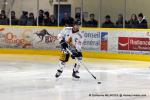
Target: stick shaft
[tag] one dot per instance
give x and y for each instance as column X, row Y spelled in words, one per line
column 82, row 64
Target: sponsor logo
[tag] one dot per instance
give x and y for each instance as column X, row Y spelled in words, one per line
column 104, row 41
column 134, row 43
column 15, row 41
column 91, row 34
column 47, row 37
column 2, row 29
column 123, row 43
column 92, row 39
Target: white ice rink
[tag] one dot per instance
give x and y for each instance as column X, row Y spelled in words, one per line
column 24, row 77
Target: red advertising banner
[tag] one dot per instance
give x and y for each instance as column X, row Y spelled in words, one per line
column 134, row 43
column 140, row 44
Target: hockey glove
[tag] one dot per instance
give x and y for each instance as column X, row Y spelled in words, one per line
column 74, row 54
column 63, row 45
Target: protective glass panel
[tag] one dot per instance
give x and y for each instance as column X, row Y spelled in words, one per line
column 112, row 13
column 24, row 12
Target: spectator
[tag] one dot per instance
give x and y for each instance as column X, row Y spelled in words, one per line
column 14, row 20
column 1, row 20
column 92, row 22
column 3, row 13
column 84, row 22
column 23, row 18
column 133, row 22
column 119, row 22
column 67, row 20
column 108, row 23
column 46, row 19
column 40, row 17
column 78, row 19
column 142, row 23
column 31, row 21
column 53, row 21
column 4, row 18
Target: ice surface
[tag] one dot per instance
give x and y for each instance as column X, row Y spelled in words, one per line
column 31, row 78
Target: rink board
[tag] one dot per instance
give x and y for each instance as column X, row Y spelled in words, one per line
column 98, row 55
column 128, row 44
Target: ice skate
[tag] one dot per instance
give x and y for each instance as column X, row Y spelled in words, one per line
column 74, row 75
column 59, row 72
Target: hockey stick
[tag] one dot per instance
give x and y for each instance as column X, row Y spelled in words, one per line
column 84, row 67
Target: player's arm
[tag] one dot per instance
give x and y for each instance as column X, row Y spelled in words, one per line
column 61, row 40
column 72, row 48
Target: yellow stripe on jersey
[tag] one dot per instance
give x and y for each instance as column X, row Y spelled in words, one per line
column 69, row 41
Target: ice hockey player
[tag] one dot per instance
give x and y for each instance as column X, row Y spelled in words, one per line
column 71, row 38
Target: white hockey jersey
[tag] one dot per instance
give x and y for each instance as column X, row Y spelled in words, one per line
column 76, row 38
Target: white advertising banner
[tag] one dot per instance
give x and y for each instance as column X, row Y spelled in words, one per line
column 29, row 38
column 115, row 41
column 129, row 41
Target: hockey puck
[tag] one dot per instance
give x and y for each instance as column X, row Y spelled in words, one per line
column 98, row 82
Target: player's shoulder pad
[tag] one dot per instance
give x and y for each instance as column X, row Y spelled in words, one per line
column 68, row 28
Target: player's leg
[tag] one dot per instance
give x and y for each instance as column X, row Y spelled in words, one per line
column 63, row 59
column 77, row 65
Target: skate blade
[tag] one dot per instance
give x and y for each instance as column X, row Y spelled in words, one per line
column 57, row 78
column 75, row 79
